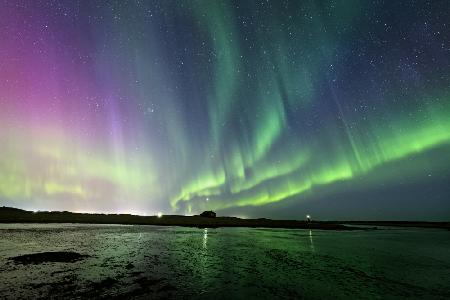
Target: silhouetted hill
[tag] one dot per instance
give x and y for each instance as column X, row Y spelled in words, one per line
column 6, row 209
column 15, row 215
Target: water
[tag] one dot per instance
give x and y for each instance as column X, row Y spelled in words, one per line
column 225, row 263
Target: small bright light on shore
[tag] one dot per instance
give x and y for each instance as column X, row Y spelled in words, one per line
column 308, row 216
column 159, row 214
column 207, row 199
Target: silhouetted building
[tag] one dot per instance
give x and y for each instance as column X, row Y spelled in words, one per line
column 208, row 214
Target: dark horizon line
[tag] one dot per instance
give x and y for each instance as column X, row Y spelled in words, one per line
column 407, row 223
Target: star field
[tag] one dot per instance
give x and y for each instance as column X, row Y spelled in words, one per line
column 252, row 108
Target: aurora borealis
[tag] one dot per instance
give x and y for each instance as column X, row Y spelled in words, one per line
column 250, row 108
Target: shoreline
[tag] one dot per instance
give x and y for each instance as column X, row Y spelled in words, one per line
column 14, row 215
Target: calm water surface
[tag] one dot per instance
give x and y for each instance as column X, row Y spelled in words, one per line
column 225, row 263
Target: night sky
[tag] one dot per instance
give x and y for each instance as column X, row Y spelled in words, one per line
column 340, row 109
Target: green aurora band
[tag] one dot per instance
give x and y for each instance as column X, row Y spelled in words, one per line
column 222, row 104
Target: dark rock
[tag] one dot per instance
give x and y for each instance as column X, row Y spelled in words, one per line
column 43, row 257
column 129, row 266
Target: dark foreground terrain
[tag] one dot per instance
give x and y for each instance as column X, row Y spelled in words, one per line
column 14, row 215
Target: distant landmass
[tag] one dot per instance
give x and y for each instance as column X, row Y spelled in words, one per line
column 15, row 215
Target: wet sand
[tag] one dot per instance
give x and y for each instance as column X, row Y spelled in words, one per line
column 161, row 262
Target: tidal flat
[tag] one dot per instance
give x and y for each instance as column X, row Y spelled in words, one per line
column 42, row 261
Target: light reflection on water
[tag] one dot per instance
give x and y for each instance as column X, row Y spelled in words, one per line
column 205, row 238
column 150, row 261
column 311, row 240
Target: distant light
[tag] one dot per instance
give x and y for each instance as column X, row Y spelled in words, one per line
column 207, row 199
column 159, row 214
column 308, row 216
